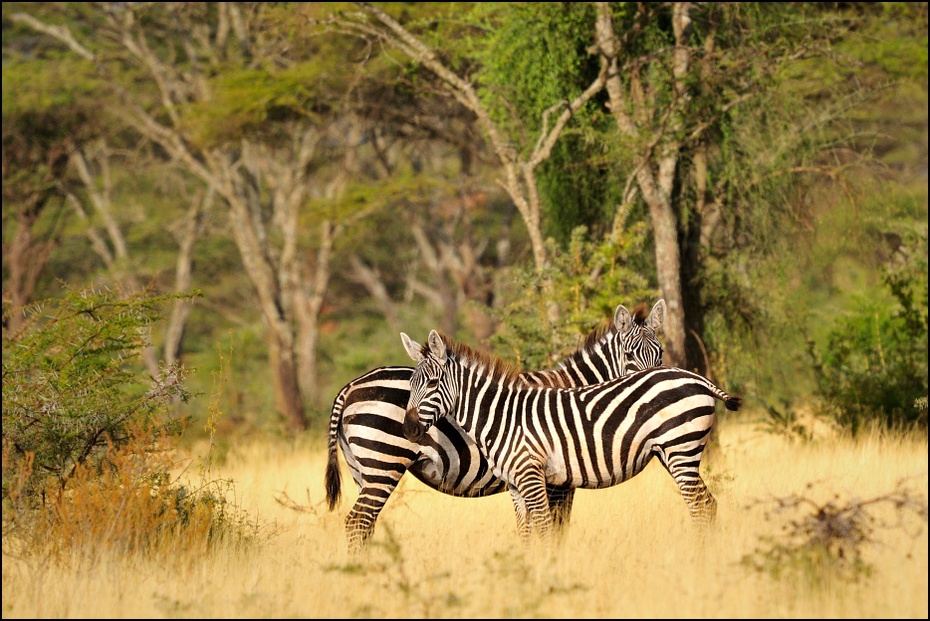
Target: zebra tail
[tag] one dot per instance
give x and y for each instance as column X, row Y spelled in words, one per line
column 333, row 477
column 733, row 402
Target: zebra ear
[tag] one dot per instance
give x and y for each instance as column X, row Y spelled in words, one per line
column 437, row 346
column 414, row 350
column 622, row 319
column 657, row 315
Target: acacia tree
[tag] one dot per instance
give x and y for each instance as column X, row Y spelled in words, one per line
column 683, row 85
column 233, row 100
column 31, row 169
column 518, row 159
column 91, row 197
column 717, row 124
column 40, row 131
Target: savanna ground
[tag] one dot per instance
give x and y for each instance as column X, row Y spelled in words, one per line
column 630, row 551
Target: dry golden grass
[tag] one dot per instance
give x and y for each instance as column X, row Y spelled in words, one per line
column 630, row 551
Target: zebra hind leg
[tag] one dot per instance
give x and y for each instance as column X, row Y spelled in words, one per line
column 685, row 469
column 701, row 503
column 360, row 522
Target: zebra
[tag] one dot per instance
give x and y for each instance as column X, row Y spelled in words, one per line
column 368, row 414
column 591, row 437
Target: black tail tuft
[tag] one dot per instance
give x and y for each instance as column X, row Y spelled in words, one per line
column 333, row 481
column 733, row 402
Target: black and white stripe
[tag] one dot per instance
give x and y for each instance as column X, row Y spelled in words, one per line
column 368, row 415
column 597, row 436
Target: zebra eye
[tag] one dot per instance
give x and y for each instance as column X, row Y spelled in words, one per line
column 432, row 383
column 629, row 356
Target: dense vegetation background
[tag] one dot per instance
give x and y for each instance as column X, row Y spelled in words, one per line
column 219, row 213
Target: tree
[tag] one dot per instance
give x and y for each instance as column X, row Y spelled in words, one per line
column 224, row 98
column 70, row 388
column 518, row 161
column 92, row 200
column 42, row 126
column 692, row 86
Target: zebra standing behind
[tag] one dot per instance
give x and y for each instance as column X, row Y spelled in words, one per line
column 590, row 437
column 368, row 415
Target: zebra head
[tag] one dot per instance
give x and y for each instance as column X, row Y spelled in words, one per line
column 635, row 346
column 427, row 402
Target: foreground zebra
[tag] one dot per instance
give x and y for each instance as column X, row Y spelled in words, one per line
column 590, row 436
column 368, row 415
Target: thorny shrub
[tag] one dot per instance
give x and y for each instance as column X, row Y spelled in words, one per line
column 89, row 438
column 824, row 540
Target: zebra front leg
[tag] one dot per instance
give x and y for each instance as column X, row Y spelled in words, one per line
column 531, row 488
column 519, row 509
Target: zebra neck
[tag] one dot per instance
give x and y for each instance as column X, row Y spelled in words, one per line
column 591, row 365
column 484, row 406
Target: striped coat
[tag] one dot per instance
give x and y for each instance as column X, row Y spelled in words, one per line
column 368, row 414
column 579, row 437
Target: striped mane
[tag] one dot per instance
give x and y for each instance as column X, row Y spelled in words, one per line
column 594, row 337
column 496, row 368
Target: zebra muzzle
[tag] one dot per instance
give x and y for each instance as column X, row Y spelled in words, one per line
column 413, row 430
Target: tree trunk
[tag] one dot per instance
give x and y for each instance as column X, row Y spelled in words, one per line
column 98, row 184
column 284, row 370
column 182, row 276
column 371, row 280
column 655, row 167
column 24, row 257
column 285, row 382
column 308, row 305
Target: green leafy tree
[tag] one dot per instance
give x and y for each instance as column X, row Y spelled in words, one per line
column 48, row 112
column 73, row 386
column 534, row 57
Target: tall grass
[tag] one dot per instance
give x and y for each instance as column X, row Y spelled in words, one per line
column 630, row 551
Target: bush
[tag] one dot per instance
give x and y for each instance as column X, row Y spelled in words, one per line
column 88, row 435
column 546, row 315
column 72, row 385
column 874, row 364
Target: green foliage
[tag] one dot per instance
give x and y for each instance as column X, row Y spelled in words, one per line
column 811, row 215
column 585, row 282
column 535, row 60
column 883, row 44
column 87, row 459
column 246, row 101
column 790, row 87
column 873, row 365
column 72, row 385
column 535, row 57
column 42, row 121
column 31, row 86
column 784, row 421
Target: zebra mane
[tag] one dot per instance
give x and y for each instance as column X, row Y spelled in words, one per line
column 639, row 316
column 496, row 368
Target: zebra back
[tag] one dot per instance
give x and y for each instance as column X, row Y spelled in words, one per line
column 454, row 378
